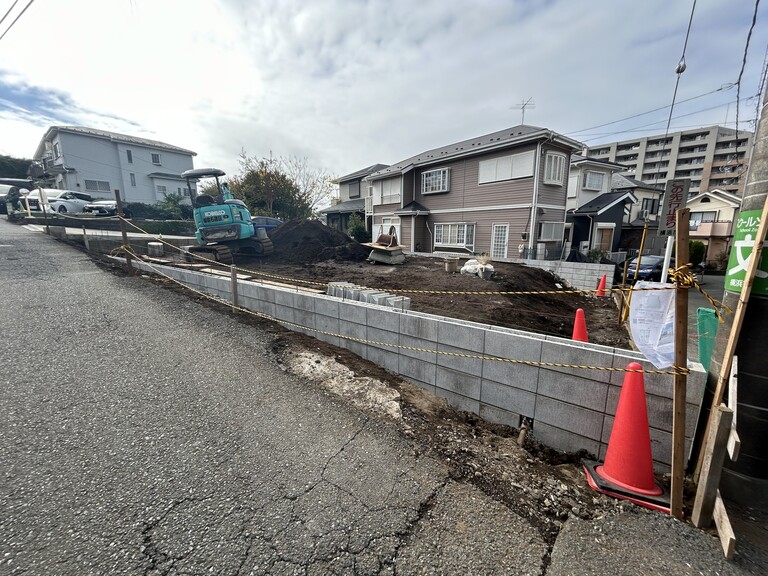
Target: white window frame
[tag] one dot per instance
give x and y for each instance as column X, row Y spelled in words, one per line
column 159, row 157
column 506, row 167
column 97, row 186
column 133, row 179
column 129, row 156
column 56, row 150
column 455, row 235
column 554, row 231
column 436, row 181
column 587, row 185
column 554, row 168
column 392, row 197
column 162, row 189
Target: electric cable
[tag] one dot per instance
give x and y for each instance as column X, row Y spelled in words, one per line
column 741, row 71
column 9, row 11
column 15, row 19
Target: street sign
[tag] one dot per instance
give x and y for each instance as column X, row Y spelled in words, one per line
column 675, row 197
column 744, row 235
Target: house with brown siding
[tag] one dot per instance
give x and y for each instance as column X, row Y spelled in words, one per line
column 503, row 194
column 350, row 199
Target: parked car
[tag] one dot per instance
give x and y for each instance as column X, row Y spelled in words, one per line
column 265, row 222
column 650, row 268
column 7, row 194
column 104, row 208
column 69, row 201
column 61, row 201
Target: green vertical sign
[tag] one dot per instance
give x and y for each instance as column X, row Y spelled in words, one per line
column 744, row 235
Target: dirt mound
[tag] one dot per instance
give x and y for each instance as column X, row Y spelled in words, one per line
column 309, row 241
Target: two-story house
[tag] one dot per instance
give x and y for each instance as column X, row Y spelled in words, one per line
column 351, row 199
column 645, row 212
column 502, row 193
column 712, row 217
column 596, row 212
column 99, row 162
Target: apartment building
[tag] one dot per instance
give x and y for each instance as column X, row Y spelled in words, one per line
column 712, row 157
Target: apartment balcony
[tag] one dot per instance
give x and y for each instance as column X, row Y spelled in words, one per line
column 719, row 228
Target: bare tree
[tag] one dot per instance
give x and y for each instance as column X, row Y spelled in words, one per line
column 316, row 187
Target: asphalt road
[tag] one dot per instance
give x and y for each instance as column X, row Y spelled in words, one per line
column 145, row 434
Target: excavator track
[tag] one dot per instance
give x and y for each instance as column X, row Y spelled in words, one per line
column 223, row 254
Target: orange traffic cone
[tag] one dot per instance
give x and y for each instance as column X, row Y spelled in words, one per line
column 580, row 327
column 628, row 469
column 601, row 288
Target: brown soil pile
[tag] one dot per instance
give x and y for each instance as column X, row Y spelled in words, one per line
column 308, row 241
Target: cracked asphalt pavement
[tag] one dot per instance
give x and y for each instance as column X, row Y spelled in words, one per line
column 145, row 434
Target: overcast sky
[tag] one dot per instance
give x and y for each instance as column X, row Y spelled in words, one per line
column 351, row 83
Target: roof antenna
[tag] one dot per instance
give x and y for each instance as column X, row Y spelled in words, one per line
column 523, row 105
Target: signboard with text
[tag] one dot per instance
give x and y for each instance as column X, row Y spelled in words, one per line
column 675, row 196
column 744, row 233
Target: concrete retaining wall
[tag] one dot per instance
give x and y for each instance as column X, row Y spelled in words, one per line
column 571, row 408
column 580, row 275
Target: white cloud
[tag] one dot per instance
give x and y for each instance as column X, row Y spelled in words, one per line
column 350, row 83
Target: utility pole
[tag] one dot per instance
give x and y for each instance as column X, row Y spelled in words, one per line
column 746, row 481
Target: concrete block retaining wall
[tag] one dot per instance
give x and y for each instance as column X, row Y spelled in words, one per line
column 571, row 408
column 580, row 275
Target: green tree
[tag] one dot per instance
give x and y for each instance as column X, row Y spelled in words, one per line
column 171, row 203
column 356, row 229
column 696, row 251
column 11, row 167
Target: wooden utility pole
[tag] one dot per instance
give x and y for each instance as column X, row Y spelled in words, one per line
column 749, row 483
column 682, row 222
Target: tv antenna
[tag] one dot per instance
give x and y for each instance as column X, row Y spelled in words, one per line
column 523, row 105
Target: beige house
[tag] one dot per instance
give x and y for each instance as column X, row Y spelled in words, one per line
column 712, row 217
column 502, row 193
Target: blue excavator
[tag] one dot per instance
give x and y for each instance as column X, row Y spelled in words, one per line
column 223, row 223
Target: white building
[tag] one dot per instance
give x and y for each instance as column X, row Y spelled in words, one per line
column 100, row 162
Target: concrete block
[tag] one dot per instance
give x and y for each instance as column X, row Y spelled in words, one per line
column 576, row 419
column 413, row 368
column 327, row 307
column 370, row 295
column 458, row 383
column 383, row 319
column 562, row 352
column 284, row 298
column 458, row 401
column 349, row 291
column 398, row 302
column 564, row 440
column 248, row 289
column 305, row 302
column 384, row 357
column 423, row 385
column 425, row 349
column 352, row 312
column 499, row 416
column 381, row 299
column 470, row 366
column 378, row 338
column 508, row 398
column 460, row 335
column 327, row 327
column 517, row 375
column 285, row 313
column 358, row 335
column 514, row 346
column 418, row 326
column 574, row 390
column 306, row 321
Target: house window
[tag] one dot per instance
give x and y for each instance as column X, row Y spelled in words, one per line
column 506, row 168
column 551, row 231
column 435, row 181
column 133, row 179
column 56, row 150
column 651, row 204
column 593, row 180
column 554, row 168
column 390, row 191
column 354, row 189
column 129, row 154
column 604, row 240
column 156, row 159
column 97, row 186
column 703, row 216
column 455, row 235
column 161, row 189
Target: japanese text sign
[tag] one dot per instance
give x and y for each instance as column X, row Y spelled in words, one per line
column 744, row 234
column 675, row 197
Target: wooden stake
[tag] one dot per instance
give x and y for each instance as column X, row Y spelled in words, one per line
column 681, row 361
column 724, row 529
column 233, row 284
column 714, row 456
column 738, row 320
column 128, row 257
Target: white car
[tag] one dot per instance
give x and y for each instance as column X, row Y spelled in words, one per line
column 63, row 201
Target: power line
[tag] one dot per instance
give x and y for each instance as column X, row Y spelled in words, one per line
column 741, row 71
column 16, row 19
column 9, row 10
column 722, row 88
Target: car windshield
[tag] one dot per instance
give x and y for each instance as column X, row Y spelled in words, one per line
column 648, row 261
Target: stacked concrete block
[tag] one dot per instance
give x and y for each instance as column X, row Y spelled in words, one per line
column 349, row 291
column 578, row 275
column 476, row 367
